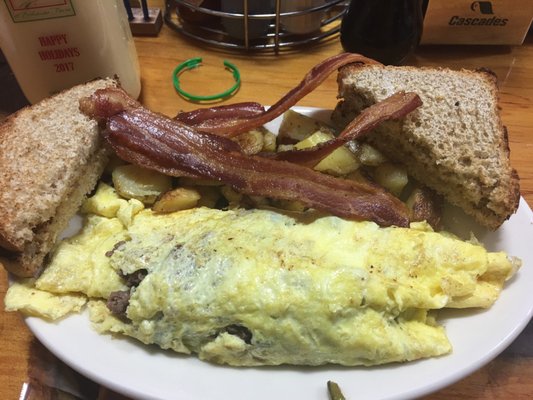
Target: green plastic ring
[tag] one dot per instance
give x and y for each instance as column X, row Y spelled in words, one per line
column 196, row 62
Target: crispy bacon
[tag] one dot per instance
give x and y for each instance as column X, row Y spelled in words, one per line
column 220, row 115
column 396, row 106
column 154, row 141
column 233, row 126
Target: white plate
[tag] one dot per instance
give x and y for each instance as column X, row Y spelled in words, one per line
column 144, row 372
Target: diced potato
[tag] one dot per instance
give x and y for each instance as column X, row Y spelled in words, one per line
column 133, row 182
column 256, row 140
column 105, row 202
column 369, row 155
column 251, row 142
column 209, row 196
column 269, row 141
column 285, row 147
column 340, row 162
column 392, row 177
column 233, row 197
column 290, row 205
column 175, row 200
column 312, row 140
column 358, row 176
column 209, row 190
column 297, row 127
column 258, row 201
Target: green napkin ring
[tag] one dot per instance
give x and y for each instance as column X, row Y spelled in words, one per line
column 196, row 62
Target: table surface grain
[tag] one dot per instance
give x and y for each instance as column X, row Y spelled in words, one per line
column 265, row 78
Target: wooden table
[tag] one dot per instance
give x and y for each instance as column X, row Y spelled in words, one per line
column 265, row 78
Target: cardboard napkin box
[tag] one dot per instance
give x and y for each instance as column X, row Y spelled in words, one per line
column 502, row 22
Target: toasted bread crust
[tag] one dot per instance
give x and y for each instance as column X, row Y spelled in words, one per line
column 47, row 151
column 455, row 142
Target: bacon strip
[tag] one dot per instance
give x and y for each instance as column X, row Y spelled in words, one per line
column 220, row 115
column 396, row 106
column 139, row 135
column 234, row 126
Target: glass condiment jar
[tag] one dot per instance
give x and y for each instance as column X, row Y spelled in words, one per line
column 54, row 45
column 385, row 30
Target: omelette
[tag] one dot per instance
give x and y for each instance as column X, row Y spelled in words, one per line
column 264, row 287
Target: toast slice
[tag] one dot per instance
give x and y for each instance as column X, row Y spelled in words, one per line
column 51, row 157
column 455, row 143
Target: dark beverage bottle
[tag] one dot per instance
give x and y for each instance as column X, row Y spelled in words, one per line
column 385, row 30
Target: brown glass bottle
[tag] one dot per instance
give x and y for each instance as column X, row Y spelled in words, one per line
column 385, row 30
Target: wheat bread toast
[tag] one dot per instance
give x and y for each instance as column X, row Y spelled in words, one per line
column 455, row 143
column 51, row 157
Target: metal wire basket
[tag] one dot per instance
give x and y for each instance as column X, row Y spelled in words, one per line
column 256, row 25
